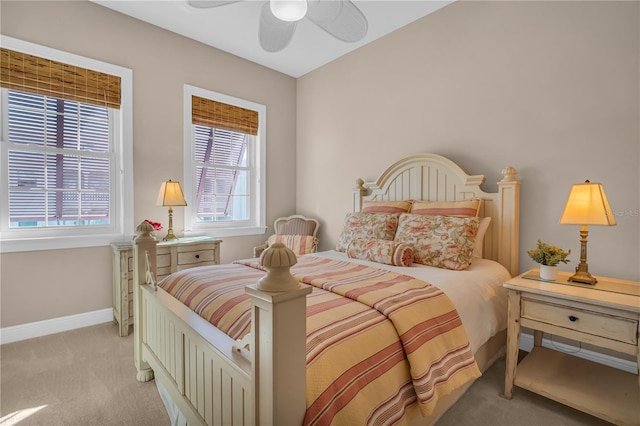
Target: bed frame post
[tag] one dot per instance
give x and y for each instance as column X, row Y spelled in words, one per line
column 278, row 349
column 144, row 256
column 509, row 211
column 358, row 192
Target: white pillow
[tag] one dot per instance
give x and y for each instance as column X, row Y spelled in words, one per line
column 482, row 229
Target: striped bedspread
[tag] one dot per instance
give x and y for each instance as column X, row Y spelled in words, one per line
column 378, row 342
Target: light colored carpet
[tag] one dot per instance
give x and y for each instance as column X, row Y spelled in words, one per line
column 86, row 377
column 79, row 377
column 484, row 405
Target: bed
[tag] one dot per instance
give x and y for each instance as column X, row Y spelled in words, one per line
column 350, row 344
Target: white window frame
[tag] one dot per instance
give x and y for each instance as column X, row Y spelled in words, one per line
column 256, row 161
column 121, row 227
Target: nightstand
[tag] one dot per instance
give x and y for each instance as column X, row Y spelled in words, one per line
column 605, row 314
column 172, row 256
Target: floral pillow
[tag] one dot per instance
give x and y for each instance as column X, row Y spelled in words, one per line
column 381, row 251
column 299, row 244
column 381, row 226
column 440, row 241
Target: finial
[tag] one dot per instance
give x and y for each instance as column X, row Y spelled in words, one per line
column 144, row 231
column 509, row 174
column 277, row 260
column 360, row 187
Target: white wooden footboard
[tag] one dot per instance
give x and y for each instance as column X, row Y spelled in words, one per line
column 209, row 386
column 208, row 375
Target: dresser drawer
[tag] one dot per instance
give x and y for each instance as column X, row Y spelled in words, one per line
column 197, row 254
column 163, row 259
column 163, row 262
column 582, row 320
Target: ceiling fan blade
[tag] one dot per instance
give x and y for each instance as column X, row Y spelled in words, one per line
column 274, row 34
column 210, row 3
column 319, row 10
column 340, row 18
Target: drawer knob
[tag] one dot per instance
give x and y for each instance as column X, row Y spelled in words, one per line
column 197, row 256
column 573, row 318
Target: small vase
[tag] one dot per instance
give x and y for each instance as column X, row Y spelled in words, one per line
column 548, row 273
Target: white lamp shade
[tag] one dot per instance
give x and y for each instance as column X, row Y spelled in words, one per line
column 288, row 10
column 587, row 205
column 171, row 194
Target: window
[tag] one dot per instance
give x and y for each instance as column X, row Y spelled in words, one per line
column 224, row 164
column 59, row 162
column 65, row 135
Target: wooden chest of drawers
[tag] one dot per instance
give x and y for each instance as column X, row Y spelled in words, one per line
column 172, row 256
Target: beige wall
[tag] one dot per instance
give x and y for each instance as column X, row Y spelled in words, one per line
column 49, row 284
column 550, row 88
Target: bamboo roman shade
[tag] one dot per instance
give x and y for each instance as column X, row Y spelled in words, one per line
column 206, row 112
column 29, row 73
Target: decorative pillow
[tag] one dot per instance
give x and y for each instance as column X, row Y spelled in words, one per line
column 482, row 229
column 386, row 206
column 462, row 208
column 299, row 244
column 381, row 251
column 367, row 225
column 441, row 241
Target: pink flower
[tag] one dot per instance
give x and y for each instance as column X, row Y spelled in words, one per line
column 156, row 225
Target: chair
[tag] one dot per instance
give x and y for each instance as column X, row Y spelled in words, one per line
column 297, row 232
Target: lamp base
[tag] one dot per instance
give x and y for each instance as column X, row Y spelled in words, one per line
column 170, row 236
column 583, row 276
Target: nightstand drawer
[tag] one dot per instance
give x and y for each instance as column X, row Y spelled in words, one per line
column 202, row 253
column 585, row 321
column 163, row 257
column 195, row 257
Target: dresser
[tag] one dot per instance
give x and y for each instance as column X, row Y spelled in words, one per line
column 605, row 315
column 172, row 256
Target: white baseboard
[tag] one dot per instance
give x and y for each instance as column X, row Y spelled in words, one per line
column 55, row 325
column 526, row 344
column 71, row 322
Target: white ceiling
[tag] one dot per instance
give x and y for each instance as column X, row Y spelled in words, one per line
column 234, row 28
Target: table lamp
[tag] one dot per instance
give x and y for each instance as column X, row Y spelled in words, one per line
column 587, row 205
column 170, row 195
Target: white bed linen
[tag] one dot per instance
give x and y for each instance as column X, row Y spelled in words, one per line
column 477, row 292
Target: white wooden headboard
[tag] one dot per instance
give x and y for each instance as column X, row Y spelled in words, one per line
column 431, row 177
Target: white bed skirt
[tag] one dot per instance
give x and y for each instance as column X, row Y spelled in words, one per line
column 175, row 415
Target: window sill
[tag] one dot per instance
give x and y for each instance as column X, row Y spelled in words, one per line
column 227, row 232
column 59, row 243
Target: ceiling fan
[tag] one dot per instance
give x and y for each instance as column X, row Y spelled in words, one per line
column 278, row 19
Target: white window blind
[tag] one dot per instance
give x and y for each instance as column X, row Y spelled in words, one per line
column 221, row 174
column 59, row 162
